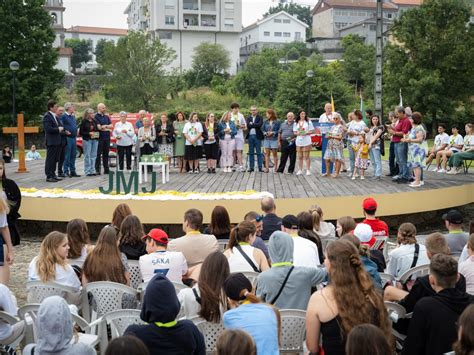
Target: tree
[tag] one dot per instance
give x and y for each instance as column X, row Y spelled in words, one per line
column 431, row 58
column 209, row 60
column 301, row 12
column 82, row 87
column 81, row 49
column 100, row 48
column 259, row 77
column 26, row 36
column 137, row 67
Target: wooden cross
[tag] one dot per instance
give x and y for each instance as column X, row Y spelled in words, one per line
column 20, row 131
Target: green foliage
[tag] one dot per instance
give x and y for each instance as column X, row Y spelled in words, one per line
column 81, row 49
column 26, row 36
column 100, row 48
column 259, row 77
column 137, row 65
column 209, row 60
column 431, row 60
column 301, row 12
column 295, row 50
column 82, row 88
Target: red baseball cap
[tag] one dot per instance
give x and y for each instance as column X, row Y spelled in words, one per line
column 369, row 204
column 158, row 235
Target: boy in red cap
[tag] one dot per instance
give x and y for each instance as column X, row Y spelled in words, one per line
column 159, row 260
column 379, row 228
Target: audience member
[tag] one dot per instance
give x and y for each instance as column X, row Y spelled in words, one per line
column 306, row 231
column 220, row 223
column 379, row 228
column 51, row 265
column 171, row 264
column 9, row 333
column 271, row 222
column 126, row 345
column 433, row 326
column 284, row 285
column 5, row 238
column 163, row 333
column 194, row 245
column 235, row 342
column 260, row 320
column 441, row 141
column 130, row 238
column 207, row 299
column 241, row 254
column 364, row 233
column 7, row 154
column 55, row 331
column 13, row 196
column 345, row 225
column 79, row 242
column 349, row 300
column 456, row 237
column 366, row 339
column 464, row 254
column 305, row 253
column 466, row 268
column 408, row 253
column 33, row 154
column 257, row 220
column 325, row 230
column 121, row 211
column 465, row 342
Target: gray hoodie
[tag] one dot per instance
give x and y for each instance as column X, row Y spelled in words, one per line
column 297, row 291
column 55, row 331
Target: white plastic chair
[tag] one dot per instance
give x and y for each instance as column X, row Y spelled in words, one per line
column 211, row 332
column 387, row 278
column 38, row 290
column 417, row 271
column 293, row 330
column 252, row 276
column 135, row 274
column 11, row 320
column 118, row 321
column 222, row 244
column 378, row 243
column 179, row 286
column 396, row 312
column 108, row 297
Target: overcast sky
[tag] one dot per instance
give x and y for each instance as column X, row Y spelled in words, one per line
column 109, row 13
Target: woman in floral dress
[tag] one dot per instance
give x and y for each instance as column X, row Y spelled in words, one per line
column 417, row 148
column 178, row 126
column 335, row 148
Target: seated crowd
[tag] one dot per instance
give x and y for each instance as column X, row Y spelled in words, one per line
column 341, row 277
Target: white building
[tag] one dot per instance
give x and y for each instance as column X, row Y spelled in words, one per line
column 56, row 10
column 184, row 24
column 94, row 34
column 272, row 31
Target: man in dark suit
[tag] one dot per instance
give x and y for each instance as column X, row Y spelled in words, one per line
column 52, row 129
column 255, row 138
column 105, row 127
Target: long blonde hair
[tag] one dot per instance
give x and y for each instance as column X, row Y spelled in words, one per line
column 4, row 206
column 48, row 256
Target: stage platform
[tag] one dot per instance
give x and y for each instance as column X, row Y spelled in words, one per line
column 337, row 197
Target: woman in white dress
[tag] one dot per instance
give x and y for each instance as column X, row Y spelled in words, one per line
column 303, row 129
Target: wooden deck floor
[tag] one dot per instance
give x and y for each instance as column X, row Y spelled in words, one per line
column 280, row 185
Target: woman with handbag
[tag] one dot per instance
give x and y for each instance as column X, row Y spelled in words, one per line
column 146, row 137
column 165, row 135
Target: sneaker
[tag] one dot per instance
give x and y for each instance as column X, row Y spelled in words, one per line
column 190, row 172
column 353, row 178
column 308, row 173
column 299, row 172
column 441, row 171
column 376, row 178
column 349, row 175
column 396, row 177
column 362, row 178
column 435, row 170
column 196, row 171
column 422, row 183
column 454, row 171
column 413, row 184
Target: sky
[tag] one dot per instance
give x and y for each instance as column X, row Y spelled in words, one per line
column 109, row 13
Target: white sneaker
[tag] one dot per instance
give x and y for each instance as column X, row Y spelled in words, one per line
column 349, row 175
column 422, row 183
column 299, row 172
column 353, row 178
column 362, row 178
column 454, row 171
column 308, row 173
column 435, row 169
column 415, row 185
column 441, row 171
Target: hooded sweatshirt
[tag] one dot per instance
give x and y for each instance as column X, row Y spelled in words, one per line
column 54, row 326
column 432, row 329
column 163, row 334
column 297, row 291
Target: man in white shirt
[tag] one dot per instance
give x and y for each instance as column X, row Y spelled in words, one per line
column 124, row 134
column 305, row 252
column 441, row 141
column 171, row 264
column 327, row 115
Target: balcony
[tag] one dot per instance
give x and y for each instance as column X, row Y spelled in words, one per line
column 208, row 21
column 208, row 5
column 190, row 20
column 191, row 5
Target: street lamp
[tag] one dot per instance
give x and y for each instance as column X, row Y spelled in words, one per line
column 309, row 75
column 14, row 66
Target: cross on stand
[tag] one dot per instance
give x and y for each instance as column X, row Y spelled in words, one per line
column 20, row 131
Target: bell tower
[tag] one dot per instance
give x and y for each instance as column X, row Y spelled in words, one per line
column 56, row 10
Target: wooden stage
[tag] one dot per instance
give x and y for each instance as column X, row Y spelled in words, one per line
column 341, row 196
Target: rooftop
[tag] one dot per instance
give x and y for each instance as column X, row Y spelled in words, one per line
column 322, row 5
column 408, row 2
column 269, row 17
column 98, row 30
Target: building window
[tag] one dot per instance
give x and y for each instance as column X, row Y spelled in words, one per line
column 286, row 21
column 169, row 4
column 169, row 20
column 165, row 34
column 372, row 27
column 277, row 34
column 229, row 6
column 286, row 34
column 229, row 22
column 389, row 15
column 277, row 20
column 266, row 34
column 297, row 35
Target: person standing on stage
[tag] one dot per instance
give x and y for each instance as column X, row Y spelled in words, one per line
column 270, row 130
column 70, row 125
column 240, row 124
column 255, row 138
column 327, row 115
column 62, row 150
column 286, row 141
column 141, row 117
column 52, row 129
column 124, row 134
column 303, row 130
column 105, row 127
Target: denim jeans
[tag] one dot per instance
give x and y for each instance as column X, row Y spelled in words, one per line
column 70, row 156
column 376, row 159
column 401, row 154
column 255, row 148
column 90, row 154
column 351, row 157
column 392, row 161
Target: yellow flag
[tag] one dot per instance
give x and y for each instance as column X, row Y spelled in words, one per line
column 332, row 104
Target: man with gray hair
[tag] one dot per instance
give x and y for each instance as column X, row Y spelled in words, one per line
column 62, row 148
column 401, row 149
column 286, row 141
column 255, row 138
column 70, row 126
column 141, row 116
column 327, row 116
